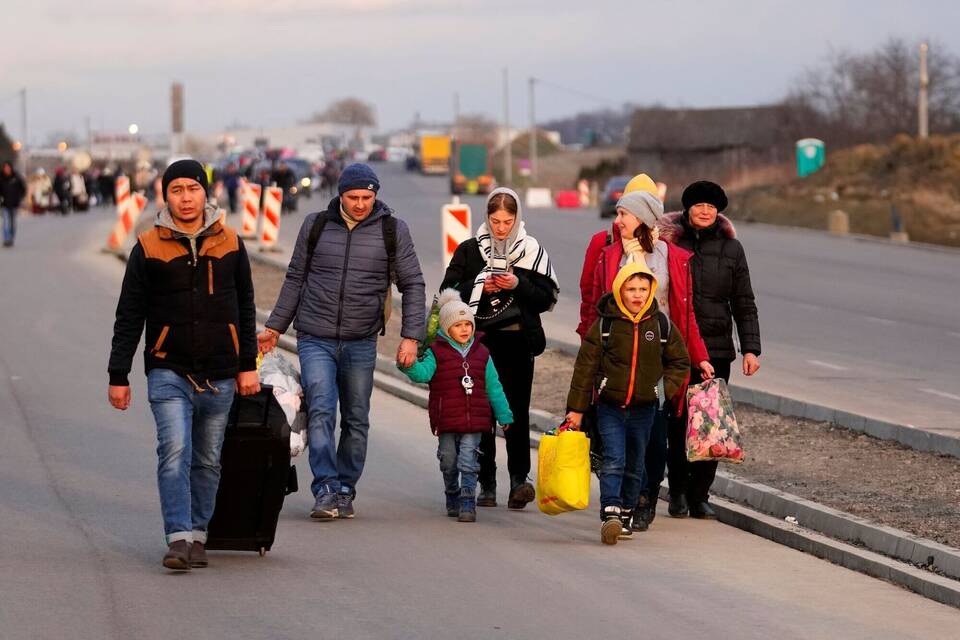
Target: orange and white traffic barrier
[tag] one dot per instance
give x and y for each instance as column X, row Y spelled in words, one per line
column 583, row 187
column 250, row 194
column 129, row 212
column 124, row 221
column 271, row 218
column 455, row 225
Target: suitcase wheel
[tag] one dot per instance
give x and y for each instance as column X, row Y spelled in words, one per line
column 263, row 552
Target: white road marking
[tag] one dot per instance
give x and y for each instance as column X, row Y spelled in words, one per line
column 827, row 365
column 954, row 334
column 883, row 321
column 942, row 394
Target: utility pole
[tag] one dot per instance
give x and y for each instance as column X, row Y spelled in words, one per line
column 507, row 149
column 923, row 116
column 25, row 132
column 456, row 113
column 533, row 135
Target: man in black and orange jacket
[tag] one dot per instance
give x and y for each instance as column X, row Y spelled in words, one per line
column 188, row 279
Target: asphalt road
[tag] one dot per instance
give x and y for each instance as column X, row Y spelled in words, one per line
column 80, row 529
column 862, row 326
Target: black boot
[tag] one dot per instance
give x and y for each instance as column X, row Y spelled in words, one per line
column 488, row 495
column 702, row 511
column 646, row 512
column 521, row 492
column 678, row 506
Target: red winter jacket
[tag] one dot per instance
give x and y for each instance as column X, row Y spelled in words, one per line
column 680, row 296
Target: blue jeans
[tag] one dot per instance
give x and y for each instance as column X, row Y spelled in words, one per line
column 624, row 434
column 9, row 224
column 459, row 462
column 190, row 427
column 332, row 371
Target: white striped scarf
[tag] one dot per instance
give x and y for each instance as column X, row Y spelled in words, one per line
column 526, row 253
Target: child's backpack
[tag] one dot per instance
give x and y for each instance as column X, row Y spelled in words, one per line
column 388, row 227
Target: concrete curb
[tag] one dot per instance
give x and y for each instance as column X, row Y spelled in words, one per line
column 265, row 258
column 925, row 583
column 890, row 542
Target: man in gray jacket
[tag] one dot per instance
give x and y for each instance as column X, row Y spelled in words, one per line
column 336, row 295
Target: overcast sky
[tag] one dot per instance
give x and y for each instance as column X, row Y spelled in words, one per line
column 274, row 62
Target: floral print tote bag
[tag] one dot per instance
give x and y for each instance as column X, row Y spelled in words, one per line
column 712, row 431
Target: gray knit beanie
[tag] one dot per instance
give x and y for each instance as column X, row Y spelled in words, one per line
column 453, row 309
column 645, row 206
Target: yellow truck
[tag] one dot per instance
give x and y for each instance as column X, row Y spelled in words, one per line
column 434, row 154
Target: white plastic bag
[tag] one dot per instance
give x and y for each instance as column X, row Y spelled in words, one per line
column 278, row 372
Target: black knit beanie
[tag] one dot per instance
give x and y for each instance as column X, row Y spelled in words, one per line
column 704, row 191
column 358, row 176
column 184, row 169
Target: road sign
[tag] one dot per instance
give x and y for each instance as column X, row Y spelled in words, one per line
column 455, row 224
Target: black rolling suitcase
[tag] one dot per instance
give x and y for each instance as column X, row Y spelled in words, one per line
column 255, row 475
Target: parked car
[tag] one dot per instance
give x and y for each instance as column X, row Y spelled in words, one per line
column 611, row 194
column 307, row 179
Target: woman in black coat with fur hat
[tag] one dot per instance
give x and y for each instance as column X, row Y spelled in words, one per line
column 722, row 296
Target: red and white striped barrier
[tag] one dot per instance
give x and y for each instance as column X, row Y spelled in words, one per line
column 124, row 222
column 455, row 224
column 271, row 218
column 129, row 208
column 583, row 188
column 250, row 195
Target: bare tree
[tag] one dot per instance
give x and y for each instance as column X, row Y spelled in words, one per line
column 871, row 97
column 349, row 111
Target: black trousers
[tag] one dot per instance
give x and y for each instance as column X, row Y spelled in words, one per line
column 690, row 478
column 514, row 364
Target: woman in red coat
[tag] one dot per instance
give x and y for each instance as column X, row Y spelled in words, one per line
column 638, row 213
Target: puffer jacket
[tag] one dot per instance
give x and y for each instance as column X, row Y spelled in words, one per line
column 342, row 292
column 722, row 293
column 633, row 363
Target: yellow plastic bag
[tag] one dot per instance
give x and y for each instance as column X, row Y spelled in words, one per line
column 563, row 472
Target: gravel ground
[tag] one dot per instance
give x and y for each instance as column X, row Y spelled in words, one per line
column 881, row 481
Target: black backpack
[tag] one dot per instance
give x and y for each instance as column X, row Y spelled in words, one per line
column 388, row 228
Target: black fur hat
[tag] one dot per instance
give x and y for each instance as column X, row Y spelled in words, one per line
column 704, row 191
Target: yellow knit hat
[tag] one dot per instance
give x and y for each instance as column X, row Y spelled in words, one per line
column 642, row 182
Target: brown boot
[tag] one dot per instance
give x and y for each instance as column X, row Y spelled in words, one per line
column 178, row 556
column 198, row 555
column 521, row 492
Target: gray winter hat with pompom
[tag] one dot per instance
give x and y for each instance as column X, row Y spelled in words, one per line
column 453, row 309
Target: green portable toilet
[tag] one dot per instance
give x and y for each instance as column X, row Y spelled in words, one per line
column 811, row 155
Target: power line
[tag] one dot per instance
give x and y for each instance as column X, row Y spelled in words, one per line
column 578, row 92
